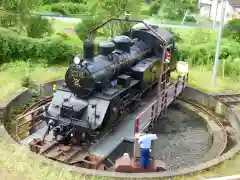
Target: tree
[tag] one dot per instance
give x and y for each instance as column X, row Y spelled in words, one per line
column 232, row 30
column 21, row 6
column 173, row 9
column 154, row 8
column 104, row 9
column 17, row 11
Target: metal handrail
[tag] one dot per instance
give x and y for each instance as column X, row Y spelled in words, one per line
column 31, row 111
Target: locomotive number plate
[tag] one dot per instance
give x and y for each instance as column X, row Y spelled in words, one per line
column 77, row 74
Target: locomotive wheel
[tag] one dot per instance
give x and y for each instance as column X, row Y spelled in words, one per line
column 114, row 110
column 112, row 115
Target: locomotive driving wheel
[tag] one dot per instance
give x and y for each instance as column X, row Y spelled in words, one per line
column 114, row 109
column 113, row 114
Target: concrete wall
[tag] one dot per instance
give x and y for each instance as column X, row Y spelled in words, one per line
column 232, row 115
column 18, row 99
column 13, row 101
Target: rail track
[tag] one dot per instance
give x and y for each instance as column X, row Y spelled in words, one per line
column 232, row 100
column 78, row 155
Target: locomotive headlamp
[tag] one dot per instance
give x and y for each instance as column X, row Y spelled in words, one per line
column 76, row 60
column 182, row 67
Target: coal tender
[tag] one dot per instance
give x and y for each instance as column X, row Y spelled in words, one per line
column 101, row 89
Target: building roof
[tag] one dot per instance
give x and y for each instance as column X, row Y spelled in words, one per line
column 234, row 3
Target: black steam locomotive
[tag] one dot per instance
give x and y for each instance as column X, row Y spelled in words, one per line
column 100, row 89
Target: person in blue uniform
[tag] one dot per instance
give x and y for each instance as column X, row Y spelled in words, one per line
column 144, row 141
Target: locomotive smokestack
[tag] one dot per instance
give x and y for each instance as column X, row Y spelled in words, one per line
column 106, row 47
column 122, row 43
column 88, row 50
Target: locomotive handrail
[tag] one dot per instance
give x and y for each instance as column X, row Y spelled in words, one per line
column 26, row 120
column 141, row 121
column 126, row 20
column 150, row 113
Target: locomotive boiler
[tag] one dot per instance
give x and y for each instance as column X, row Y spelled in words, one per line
column 103, row 86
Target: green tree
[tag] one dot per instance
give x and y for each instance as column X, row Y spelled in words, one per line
column 232, row 30
column 154, row 8
column 116, row 8
column 17, row 11
column 21, row 6
column 173, row 9
column 100, row 11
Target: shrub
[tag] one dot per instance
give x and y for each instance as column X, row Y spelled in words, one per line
column 7, row 19
column 50, row 1
column 69, row 8
column 55, row 50
column 39, row 29
column 83, row 28
column 190, row 19
column 154, row 8
column 27, row 82
column 232, row 30
column 57, row 1
column 198, row 47
column 63, row 35
column 177, row 35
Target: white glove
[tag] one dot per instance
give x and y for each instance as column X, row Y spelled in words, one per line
column 150, row 150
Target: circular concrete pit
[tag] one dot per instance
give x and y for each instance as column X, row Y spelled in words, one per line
column 193, row 136
column 183, row 138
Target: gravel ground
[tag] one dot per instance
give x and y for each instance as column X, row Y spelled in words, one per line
column 183, row 140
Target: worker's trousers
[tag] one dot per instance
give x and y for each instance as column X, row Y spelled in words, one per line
column 145, row 157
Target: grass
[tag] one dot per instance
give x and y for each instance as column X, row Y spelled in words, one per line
column 12, row 74
column 27, row 168
column 30, row 169
column 201, row 77
column 66, row 30
column 60, row 26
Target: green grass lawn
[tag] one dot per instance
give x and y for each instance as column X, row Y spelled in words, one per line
column 201, row 77
column 66, row 28
column 60, row 26
column 12, row 74
column 15, row 162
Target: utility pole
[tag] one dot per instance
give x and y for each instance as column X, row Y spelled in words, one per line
column 184, row 17
column 216, row 61
column 215, row 15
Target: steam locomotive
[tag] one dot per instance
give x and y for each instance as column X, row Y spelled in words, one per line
column 100, row 89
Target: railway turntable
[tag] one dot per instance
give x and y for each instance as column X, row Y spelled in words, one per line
column 108, row 98
column 94, row 155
